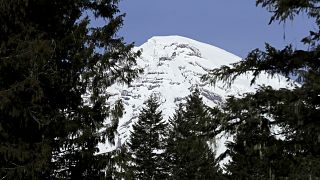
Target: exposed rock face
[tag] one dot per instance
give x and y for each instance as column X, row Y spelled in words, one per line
column 172, row 67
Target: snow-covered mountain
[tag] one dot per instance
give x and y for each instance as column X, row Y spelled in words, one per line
column 172, row 67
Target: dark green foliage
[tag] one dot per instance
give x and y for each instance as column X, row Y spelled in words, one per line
column 147, row 143
column 188, row 151
column 119, row 160
column 49, row 61
column 260, row 152
column 257, row 151
column 288, row 9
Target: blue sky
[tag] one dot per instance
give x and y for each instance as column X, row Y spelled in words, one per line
column 234, row 25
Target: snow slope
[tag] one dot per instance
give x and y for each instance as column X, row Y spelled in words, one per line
column 172, row 67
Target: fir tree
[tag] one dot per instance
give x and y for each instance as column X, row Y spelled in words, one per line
column 295, row 112
column 49, row 61
column 147, row 141
column 188, row 149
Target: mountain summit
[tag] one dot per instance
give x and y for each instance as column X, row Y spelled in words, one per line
column 172, row 68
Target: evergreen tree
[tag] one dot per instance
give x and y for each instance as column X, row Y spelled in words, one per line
column 188, row 149
column 294, row 112
column 255, row 149
column 49, row 61
column 120, row 163
column 147, row 141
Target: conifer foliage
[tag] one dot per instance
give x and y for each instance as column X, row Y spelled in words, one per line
column 292, row 151
column 49, row 61
column 147, row 143
column 188, row 149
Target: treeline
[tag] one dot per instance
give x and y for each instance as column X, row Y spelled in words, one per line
column 182, row 148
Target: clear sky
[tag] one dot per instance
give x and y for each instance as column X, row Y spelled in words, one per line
column 237, row 26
